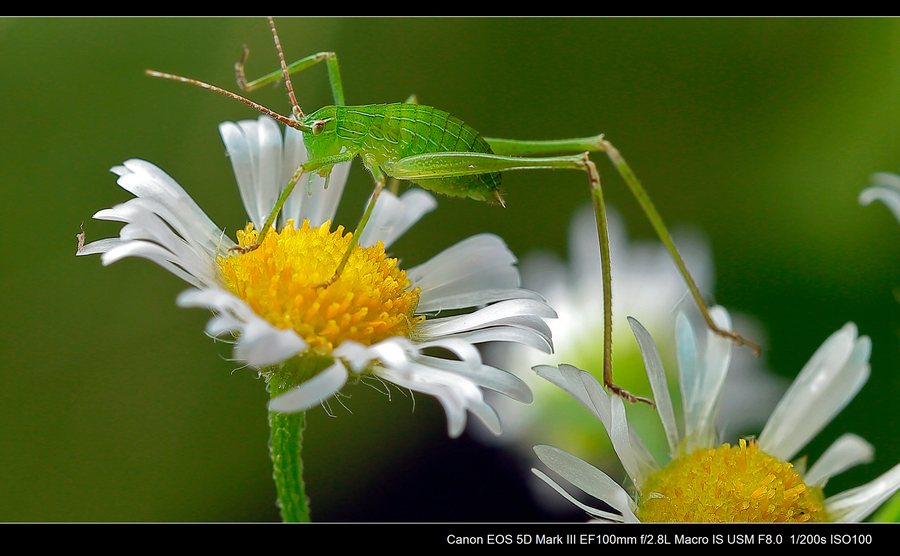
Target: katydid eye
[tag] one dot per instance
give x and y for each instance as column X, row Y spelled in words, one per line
column 318, row 127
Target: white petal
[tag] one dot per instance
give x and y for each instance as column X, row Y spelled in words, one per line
column 462, row 349
column 98, row 247
column 485, row 376
column 857, row 503
column 147, row 181
column 570, row 379
column 393, row 352
column 322, row 204
column 633, row 460
column 658, row 384
column 456, row 393
column 847, row 451
column 242, row 144
column 585, row 388
column 608, row 516
column 312, row 392
column 269, row 184
column 150, row 232
column 587, row 478
column 480, row 262
column 825, row 385
column 516, row 334
column 526, row 313
column 885, row 188
column 260, row 343
column 392, row 216
column 316, row 204
column 476, row 298
column 152, row 252
column 701, row 399
column 292, row 157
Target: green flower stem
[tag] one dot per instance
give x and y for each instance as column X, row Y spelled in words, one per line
column 286, row 441
column 284, row 448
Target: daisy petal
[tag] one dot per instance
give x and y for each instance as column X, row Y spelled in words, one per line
column 885, row 188
column 587, row 478
column 517, row 334
column 147, row 181
column 589, row 510
column 392, row 216
column 476, row 298
column 99, row 247
column 259, row 343
column 569, row 378
column 847, row 451
column 658, row 384
column 479, row 262
column 486, row 377
column 586, row 389
column 857, row 503
column 312, row 392
column 702, row 382
column 825, row 385
column 152, row 252
column 456, row 393
column 522, row 312
column 254, row 148
column 322, row 205
column 393, row 352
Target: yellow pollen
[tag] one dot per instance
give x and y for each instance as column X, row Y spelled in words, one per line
column 730, row 484
column 371, row 300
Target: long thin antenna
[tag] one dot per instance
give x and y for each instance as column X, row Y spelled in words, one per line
column 283, row 119
column 295, row 106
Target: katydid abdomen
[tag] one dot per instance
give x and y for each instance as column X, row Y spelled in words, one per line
column 388, row 133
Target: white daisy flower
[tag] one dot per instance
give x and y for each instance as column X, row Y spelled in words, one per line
column 646, row 284
column 311, row 340
column 706, row 481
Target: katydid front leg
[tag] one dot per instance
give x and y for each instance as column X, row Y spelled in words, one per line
column 330, row 59
column 309, row 166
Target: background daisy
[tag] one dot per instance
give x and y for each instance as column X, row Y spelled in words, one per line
column 704, row 480
column 647, row 286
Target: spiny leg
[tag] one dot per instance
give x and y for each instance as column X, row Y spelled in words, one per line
column 606, row 270
column 308, row 166
column 598, row 143
column 439, row 165
column 354, row 240
column 656, row 220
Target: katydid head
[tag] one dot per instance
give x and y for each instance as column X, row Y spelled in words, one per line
column 321, row 139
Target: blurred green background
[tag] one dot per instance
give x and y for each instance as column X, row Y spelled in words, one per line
column 116, row 407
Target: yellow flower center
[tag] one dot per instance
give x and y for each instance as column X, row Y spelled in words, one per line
column 729, row 484
column 371, row 300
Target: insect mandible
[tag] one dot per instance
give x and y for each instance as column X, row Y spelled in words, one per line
column 439, row 152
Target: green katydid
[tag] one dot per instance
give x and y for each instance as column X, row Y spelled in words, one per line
column 439, row 152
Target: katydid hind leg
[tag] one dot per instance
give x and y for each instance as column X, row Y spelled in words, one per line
column 606, row 273
column 552, row 147
column 656, row 220
column 436, row 165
